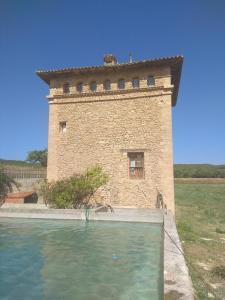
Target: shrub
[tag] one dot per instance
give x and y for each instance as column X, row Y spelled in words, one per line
column 219, row 230
column 75, row 191
column 6, row 185
column 219, row 271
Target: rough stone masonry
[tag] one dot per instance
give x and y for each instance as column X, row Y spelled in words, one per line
column 117, row 116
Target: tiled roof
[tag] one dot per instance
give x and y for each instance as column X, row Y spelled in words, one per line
column 104, row 67
column 175, row 62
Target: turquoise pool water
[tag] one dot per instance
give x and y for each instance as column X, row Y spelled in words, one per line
column 64, row 260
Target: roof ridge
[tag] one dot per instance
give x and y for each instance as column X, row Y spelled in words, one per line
column 110, row 66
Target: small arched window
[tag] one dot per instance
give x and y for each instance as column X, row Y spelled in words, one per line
column 135, row 83
column 121, row 84
column 107, row 85
column 66, row 88
column 151, row 81
column 80, row 87
column 93, row 86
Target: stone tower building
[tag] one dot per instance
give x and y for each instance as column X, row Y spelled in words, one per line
column 117, row 116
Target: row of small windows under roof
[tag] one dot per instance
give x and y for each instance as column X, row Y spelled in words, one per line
column 107, row 85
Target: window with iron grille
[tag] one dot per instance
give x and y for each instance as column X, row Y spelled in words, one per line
column 121, row 84
column 136, row 165
column 150, row 81
column 93, row 86
column 107, row 85
column 135, row 83
column 80, row 87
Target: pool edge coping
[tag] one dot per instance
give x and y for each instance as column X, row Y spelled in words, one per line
column 177, row 281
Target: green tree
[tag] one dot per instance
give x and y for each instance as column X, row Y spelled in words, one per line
column 38, row 157
column 6, row 185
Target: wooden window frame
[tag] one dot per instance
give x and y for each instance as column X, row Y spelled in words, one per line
column 141, row 174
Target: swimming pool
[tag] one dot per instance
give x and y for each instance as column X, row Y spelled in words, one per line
column 61, row 259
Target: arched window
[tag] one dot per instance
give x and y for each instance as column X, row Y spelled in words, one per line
column 80, row 87
column 107, row 85
column 151, row 81
column 135, row 83
column 121, row 84
column 93, row 86
column 66, row 88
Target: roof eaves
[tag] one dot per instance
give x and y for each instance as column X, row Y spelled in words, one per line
column 86, row 68
column 174, row 61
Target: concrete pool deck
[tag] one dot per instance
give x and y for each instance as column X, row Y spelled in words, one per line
column 177, row 283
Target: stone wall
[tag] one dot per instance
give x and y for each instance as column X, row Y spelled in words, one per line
column 103, row 127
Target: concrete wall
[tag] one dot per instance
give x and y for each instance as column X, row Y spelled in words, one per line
column 28, row 184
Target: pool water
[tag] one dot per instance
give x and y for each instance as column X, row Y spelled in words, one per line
column 64, row 260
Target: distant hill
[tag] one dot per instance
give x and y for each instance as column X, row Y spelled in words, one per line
column 180, row 170
column 199, row 171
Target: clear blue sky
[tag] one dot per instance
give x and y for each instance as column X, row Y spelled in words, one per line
column 45, row 34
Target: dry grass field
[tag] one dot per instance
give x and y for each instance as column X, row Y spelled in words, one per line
column 200, row 217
